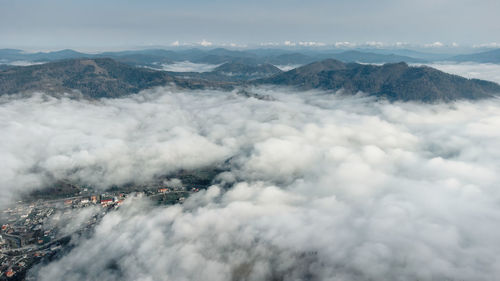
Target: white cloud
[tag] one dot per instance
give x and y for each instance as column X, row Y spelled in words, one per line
column 289, row 43
column 323, row 187
column 401, row 44
column 319, row 186
column 488, row 45
column 375, row 44
column 288, row 66
column 187, row 66
column 269, row 44
column 72, row 220
column 485, row 71
column 205, row 43
column 234, row 45
column 434, row 45
column 345, row 44
column 22, row 63
column 311, row 44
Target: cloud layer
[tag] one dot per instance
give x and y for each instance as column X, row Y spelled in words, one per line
column 100, row 143
column 187, row 66
column 321, row 186
column 486, row 71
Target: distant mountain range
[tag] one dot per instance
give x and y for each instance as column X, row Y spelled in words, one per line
column 155, row 58
column 104, row 77
column 492, row 56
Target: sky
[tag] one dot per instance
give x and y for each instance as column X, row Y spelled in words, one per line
column 113, row 23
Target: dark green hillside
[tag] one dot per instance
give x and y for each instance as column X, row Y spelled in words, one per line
column 396, row 81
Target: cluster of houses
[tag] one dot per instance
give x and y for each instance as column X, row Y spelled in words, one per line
column 23, row 229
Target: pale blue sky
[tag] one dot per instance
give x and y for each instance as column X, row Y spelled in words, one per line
column 70, row 23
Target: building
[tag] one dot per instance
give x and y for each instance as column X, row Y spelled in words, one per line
column 10, row 273
column 106, row 202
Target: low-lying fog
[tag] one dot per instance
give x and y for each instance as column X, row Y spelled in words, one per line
column 288, row 67
column 187, row 66
column 20, row 63
column 486, row 71
column 323, row 187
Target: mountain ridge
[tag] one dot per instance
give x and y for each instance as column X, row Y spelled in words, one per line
column 94, row 78
column 105, row 77
column 394, row 81
column 491, row 56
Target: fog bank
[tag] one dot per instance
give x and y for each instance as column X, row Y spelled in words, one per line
column 320, row 186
